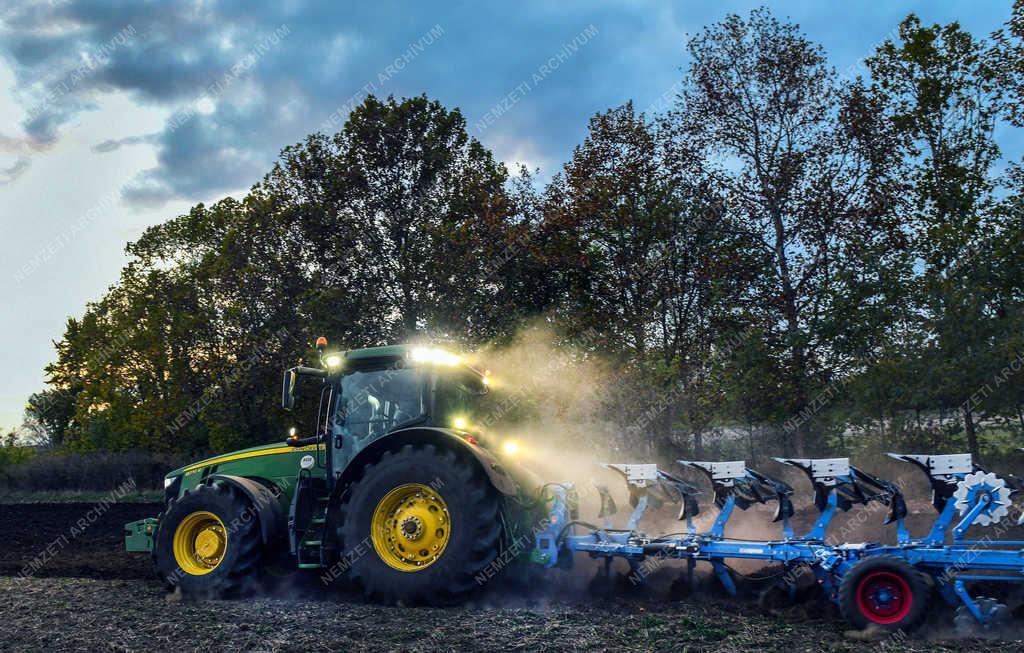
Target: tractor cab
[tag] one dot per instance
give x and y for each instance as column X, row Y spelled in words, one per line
column 374, row 398
column 367, row 394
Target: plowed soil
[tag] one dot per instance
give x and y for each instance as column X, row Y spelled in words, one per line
column 66, row 588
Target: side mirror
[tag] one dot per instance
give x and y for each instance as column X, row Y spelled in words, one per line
column 288, row 389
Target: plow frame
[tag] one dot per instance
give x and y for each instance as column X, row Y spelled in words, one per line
column 838, row 486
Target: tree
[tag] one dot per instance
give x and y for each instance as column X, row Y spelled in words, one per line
column 383, row 232
column 1001, row 257
column 421, row 186
column 1006, row 60
column 49, row 414
column 944, row 93
column 811, row 176
column 645, row 259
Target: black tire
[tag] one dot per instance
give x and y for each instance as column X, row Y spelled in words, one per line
column 468, row 559
column 240, row 565
column 907, row 590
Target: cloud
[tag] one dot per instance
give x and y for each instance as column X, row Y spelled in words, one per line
column 108, row 145
column 18, row 144
column 241, row 80
column 12, row 172
column 113, row 144
column 20, row 149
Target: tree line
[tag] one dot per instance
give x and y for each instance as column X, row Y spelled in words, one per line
column 818, row 259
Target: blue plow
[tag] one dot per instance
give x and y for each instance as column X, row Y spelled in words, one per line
column 886, row 586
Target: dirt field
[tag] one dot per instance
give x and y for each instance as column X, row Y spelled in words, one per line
column 65, row 591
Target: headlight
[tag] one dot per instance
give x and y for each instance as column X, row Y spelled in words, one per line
column 172, row 485
column 430, row 355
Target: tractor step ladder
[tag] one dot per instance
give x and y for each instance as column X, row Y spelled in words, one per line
column 309, row 550
column 306, row 530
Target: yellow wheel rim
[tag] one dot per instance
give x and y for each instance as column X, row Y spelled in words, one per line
column 200, row 542
column 410, row 527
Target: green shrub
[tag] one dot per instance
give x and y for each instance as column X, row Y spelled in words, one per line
column 14, row 455
column 103, row 471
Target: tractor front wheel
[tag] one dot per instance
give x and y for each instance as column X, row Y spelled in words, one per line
column 208, row 543
column 420, row 526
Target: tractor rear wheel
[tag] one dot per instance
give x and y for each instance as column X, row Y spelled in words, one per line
column 884, row 592
column 420, row 526
column 208, row 543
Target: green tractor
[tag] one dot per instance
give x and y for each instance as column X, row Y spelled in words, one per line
column 395, row 490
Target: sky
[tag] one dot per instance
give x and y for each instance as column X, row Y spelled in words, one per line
column 119, row 114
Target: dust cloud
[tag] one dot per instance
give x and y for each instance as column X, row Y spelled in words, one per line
column 556, row 401
column 560, row 404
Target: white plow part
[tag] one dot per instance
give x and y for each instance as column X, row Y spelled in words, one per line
column 968, row 489
column 636, row 474
column 719, row 470
column 820, row 469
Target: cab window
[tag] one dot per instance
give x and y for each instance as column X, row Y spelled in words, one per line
column 374, row 402
column 457, row 395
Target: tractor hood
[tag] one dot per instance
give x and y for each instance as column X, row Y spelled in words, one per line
column 268, row 460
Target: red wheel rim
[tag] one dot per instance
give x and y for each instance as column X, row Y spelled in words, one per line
column 884, row 597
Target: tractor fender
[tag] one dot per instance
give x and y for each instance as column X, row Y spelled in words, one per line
column 266, row 503
column 495, row 470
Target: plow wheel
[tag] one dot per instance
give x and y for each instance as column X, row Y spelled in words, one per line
column 884, row 592
column 421, row 526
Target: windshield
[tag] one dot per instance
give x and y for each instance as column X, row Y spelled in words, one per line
column 458, row 396
column 374, row 402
